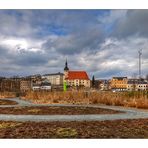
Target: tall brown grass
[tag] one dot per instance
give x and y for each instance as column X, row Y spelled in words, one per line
column 128, row 99
column 7, row 94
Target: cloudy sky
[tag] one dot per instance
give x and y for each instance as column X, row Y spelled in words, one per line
column 105, row 43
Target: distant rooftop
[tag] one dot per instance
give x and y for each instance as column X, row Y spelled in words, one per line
column 42, row 84
column 51, row 74
column 136, row 81
column 119, row 78
column 77, row 75
column 45, row 84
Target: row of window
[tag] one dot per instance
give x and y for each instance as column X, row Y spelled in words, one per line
column 119, row 82
column 138, row 89
column 143, row 86
column 118, row 85
column 140, row 86
column 77, row 81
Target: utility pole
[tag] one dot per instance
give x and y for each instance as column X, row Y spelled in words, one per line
column 140, row 54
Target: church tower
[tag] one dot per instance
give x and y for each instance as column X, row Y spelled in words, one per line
column 66, row 69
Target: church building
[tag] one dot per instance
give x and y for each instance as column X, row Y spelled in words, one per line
column 76, row 78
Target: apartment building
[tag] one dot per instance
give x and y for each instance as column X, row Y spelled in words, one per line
column 42, row 86
column 136, row 85
column 9, row 84
column 25, row 85
column 104, row 85
column 54, row 78
column 119, row 83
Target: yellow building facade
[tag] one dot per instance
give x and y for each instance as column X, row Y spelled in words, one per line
column 119, row 83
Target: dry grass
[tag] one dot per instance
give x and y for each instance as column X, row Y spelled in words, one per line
column 128, row 99
column 4, row 125
column 7, row 94
column 66, row 133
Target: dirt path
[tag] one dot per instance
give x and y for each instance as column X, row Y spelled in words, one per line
column 129, row 113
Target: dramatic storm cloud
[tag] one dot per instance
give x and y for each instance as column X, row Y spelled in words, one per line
column 105, row 43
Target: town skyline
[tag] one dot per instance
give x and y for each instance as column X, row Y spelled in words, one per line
column 104, row 43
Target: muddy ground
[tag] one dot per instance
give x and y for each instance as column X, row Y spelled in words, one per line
column 7, row 102
column 137, row 128
column 48, row 110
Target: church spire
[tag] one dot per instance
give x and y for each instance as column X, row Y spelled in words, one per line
column 66, row 66
column 66, row 63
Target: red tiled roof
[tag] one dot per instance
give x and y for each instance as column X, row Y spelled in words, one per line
column 77, row 75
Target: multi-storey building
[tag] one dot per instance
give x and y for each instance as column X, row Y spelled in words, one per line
column 76, row 78
column 42, row 86
column 10, row 84
column 119, row 83
column 104, row 85
column 136, row 85
column 55, row 78
column 25, row 85
column 34, row 78
column 142, row 86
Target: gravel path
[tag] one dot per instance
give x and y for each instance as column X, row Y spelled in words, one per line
column 130, row 113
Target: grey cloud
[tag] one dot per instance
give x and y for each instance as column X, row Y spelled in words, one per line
column 76, row 43
column 135, row 23
column 108, row 73
column 117, row 57
column 43, row 22
column 81, row 38
column 12, row 25
column 3, row 51
column 31, row 59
